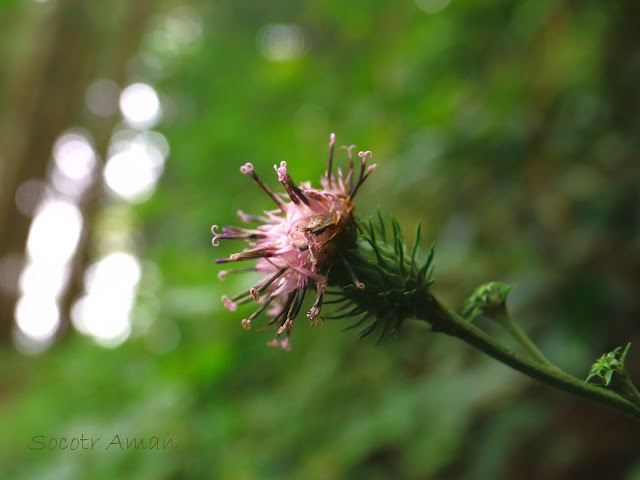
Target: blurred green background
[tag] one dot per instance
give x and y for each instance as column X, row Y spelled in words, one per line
column 510, row 128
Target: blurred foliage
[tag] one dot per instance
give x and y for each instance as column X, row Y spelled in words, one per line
column 510, row 128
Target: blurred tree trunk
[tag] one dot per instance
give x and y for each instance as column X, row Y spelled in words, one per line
column 47, row 99
column 124, row 42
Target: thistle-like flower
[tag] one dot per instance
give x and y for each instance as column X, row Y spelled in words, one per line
column 313, row 233
column 295, row 244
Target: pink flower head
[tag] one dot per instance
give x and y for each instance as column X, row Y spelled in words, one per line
column 294, row 243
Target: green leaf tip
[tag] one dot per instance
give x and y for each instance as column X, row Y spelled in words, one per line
column 486, row 298
column 608, row 364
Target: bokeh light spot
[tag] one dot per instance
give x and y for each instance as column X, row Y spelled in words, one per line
column 37, row 317
column 280, row 43
column 104, row 312
column 432, row 6
column 136, row 164
column 44, row 279
column 30, row 195
column 102, row 97
column 140, row 105
column 119, row 271
column 130, row 175
column 75, row 164
column 28, row 345
column 104, row 317
column 55, row 232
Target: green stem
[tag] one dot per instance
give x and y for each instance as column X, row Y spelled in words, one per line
column 444, row 320
column 631, row 390
column 510, row 325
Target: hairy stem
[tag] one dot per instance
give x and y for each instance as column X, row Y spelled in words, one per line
column 509, row 324
column 397, row 288
column 444, row 320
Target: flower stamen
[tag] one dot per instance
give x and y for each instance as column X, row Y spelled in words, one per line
column 332, row 145
column 246, row 323
column 363, row 155
column 248, row 169
column 254, row 218
column 295, row 194
column 350, row 271
column 223, row 273
column 314, row 312
column 229, row 304
column 259, row 252
column 349, row 178
column 259, row 290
